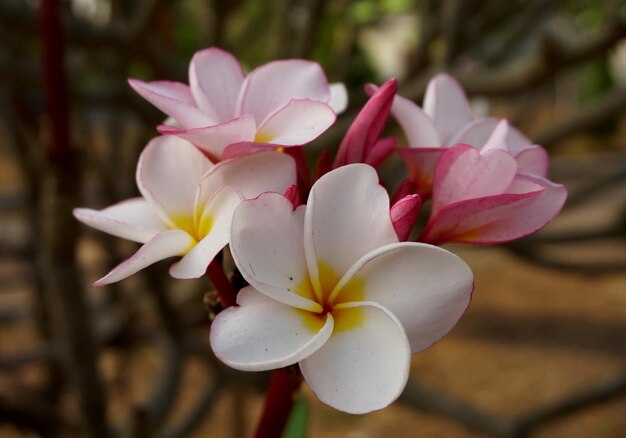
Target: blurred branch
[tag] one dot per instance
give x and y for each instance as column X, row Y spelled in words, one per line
column 31, row 413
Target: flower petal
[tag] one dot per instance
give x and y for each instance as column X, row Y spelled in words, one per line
column 530, row 203
column 364, row 368
column 251, row 175
column 272, row 85
column 214, row 139
column 215, row 78
column 218, row 216
column 164, row 245
column 404, row 214
column 168, row 174
column 338, row 97
column 268, row 247
column 420, row 162
column 298, row 122
column 446, row 103
column 134, row 219
column 262, row 334
column 463, row 172
column 498, row 138
column 427, row 288
column 175, row 100
column 533, row 160
column 478, row 132
column 347, row 216
column 418, row 127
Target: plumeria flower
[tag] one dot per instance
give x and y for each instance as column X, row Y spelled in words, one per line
column 487, row 196
column 333, row 290
column 446, row 120
column 283, row 103
column 186, row 206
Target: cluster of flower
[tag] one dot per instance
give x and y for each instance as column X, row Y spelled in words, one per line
column 334, row 285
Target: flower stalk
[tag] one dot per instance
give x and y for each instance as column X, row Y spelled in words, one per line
column 217, row 276
column 284, row 383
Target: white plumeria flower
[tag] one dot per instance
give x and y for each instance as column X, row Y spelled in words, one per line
column 187, row 205
column 282, row 103
column 332, row 289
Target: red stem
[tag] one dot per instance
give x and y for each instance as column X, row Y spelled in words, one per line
column 224, row 287
column 278, row 402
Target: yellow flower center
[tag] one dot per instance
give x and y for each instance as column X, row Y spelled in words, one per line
column 198, row 227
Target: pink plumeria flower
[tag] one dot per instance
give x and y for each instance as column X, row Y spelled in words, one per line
column 332, row 289
column 187, row 205
column 282, row 103
column 488, row 196
column 446, row 120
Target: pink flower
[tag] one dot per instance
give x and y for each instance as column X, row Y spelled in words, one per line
column 446, row 120
column 489, row 196
column 284, row 103
column 186, row 206
column 333, row 290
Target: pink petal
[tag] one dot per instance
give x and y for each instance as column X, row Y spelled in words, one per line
column 404, row 214
column 168, row 174
column 380, row 152
column 498, row 138
column 215, row 78
column 367, row 127
column 298, row 122
column 420, row 162
column 219, row 211
column 478, row 132
column 175, row 100
column 347, row 216
column 245, row 338
column 273, row 85
column 405, row 188
column 134, row 219
column 293, row 195
column 528, row 206
column 462, row 172
column 251, row 175
column 363, row 368
column 162, row 246
column 427, row 288
column 268, row 247
column 533, row 161
column 215, row 139
column 446, row 103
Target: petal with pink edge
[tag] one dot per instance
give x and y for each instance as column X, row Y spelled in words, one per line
column 134, row 219
column 214, row 139
column 427, row 288
column 347, row 216
column 446, row 103
column 215, row 220
column 263, row 334
column 267, row 246
column 298, row 122
column 162, row 246
column 175, row 100
column 531, row 202
column 498, row 138
column 364, row 366
column 420, row 163
column 478, row 132
column 338, row 97
column 463, row 172
column 251, row 175
column 404, row 214
column 168, row 174
column 215, row 79
column 533, row 160
column 274, row 84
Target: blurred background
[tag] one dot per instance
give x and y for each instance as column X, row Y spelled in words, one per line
column 540, row 352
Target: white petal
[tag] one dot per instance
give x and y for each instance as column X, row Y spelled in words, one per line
column 175, row 100
column 272, row 85
column 214, row 139
column 418, row 127
column 338, row 97
column 364, row 368
column 298, row 122
column 263, row 334
column 426, row 287
column 347, row 216
column 217, row 216
column 164, row 245
column 268, row 247
column 134, row 219
column 445, row 102
column 251, row 175
column 498, row 138
column 168, row 174
column 215, row 78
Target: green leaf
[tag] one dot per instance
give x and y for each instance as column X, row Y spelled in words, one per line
column 298, row 420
